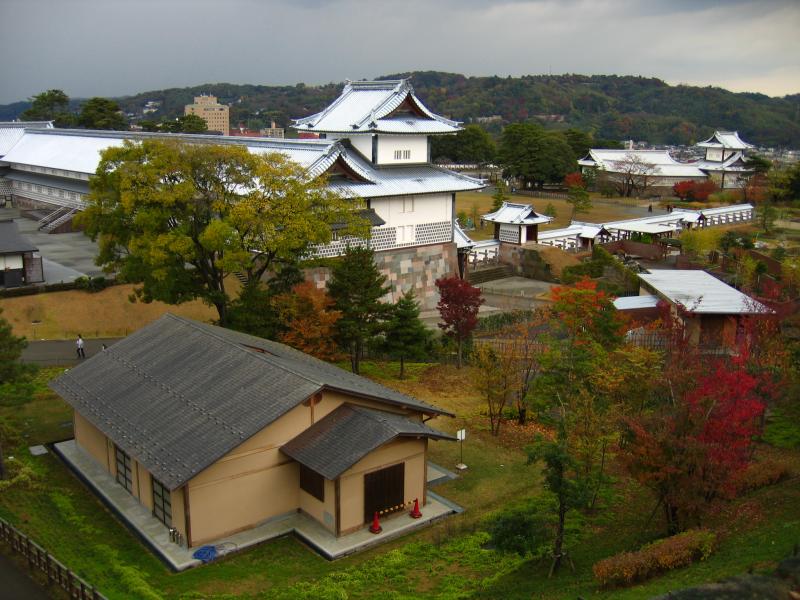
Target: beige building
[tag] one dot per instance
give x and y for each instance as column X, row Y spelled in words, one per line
column 215, row 431
column 216, row 115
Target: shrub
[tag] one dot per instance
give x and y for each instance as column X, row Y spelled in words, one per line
column 664, row 555
column 499, row 321
column 528, row 528
column 91, row 284
column 760, row 474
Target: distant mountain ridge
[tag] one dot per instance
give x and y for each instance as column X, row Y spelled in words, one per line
column 615, row 107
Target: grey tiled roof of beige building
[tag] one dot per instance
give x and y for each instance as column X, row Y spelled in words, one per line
column 177, row 395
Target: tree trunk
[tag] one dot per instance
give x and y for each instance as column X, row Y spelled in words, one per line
column 222, row 311
column 460, row 345
column 354, row 357
column 558, row 546
column 402, row 367
column 523, row 415
column 671, row 514
column 2, row 464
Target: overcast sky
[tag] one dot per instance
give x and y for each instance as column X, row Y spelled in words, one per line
column 118, row 47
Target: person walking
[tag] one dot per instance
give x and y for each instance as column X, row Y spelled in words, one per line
column 79, row 347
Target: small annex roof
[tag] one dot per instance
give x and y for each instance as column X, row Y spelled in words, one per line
column 342, row 438
column 642, row 227
column 461, row 239
column 635, row 302
column 178, row 395
column 516, row 214
column 699, row 292
column 12, row 241
column 12, row 131
column 725, row 139
column 377, row 107
column 613, row 161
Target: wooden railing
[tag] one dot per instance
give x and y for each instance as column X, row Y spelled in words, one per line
column 40, row 559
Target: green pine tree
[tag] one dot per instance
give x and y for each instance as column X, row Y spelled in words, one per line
column 357, row 287
column 406, row 335
column 500, row 195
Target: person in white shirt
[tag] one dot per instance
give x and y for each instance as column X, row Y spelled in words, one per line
column 79, row 347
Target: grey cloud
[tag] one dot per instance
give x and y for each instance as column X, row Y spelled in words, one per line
column 116, row 47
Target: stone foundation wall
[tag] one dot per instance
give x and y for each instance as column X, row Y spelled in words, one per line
column 416, row 267
column 526, row 262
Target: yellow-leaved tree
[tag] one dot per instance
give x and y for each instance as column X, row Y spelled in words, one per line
column 177, row 217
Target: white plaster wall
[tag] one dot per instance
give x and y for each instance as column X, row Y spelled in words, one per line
column 363, row 143
column 10, row 261
column 387, row 144
column 398, row 210
column 714, row 154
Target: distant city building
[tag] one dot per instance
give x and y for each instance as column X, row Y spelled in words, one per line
column 273, row 131
column 151, row 106
column 216, row 115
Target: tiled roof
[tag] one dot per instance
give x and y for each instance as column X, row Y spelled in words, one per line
column 11, row 241
column 368, row 107
column 725, row 139
column 700, row 292
column 79, row 151
column 339, row 440
column 516, row 214
column 177, row 395
column 663, row 164
column 12, row 131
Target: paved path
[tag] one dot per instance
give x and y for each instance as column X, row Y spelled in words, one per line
column 62, row 352
column 16, row 585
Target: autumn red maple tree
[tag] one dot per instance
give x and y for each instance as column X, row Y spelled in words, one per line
column 575, row 179
column 458, row 308
column 691, row 447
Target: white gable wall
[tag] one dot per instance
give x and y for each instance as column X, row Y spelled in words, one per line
column 414, row 147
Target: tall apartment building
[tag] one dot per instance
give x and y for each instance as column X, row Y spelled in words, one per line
column 216, row 115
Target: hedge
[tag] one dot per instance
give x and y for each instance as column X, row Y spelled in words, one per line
column 664, row 555
column 760, row 474
column 89, row 284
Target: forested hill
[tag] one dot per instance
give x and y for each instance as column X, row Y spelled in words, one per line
column 611, row 106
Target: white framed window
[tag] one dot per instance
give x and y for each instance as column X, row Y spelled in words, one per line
column 406, row 154
column 398, row 154
column 408, row 205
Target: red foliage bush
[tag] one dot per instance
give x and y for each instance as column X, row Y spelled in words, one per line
column 664, row 555
column 694, row 190
column 683, row 189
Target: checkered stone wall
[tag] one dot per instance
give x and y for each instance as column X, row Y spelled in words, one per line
column 417, row 268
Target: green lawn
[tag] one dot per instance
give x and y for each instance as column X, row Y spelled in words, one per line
column 448, row 560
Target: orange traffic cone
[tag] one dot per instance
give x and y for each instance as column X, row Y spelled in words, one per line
column 415, row 514
column 376, row 524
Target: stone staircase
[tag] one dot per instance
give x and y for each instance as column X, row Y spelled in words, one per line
column 490, row 274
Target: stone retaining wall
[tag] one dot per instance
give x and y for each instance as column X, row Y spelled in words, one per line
column 418, row 267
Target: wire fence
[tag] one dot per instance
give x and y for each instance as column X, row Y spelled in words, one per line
column 40, row 560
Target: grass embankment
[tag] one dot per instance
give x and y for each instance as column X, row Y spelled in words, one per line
column 108, row 313
column 448, row 560
column 602, row 210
